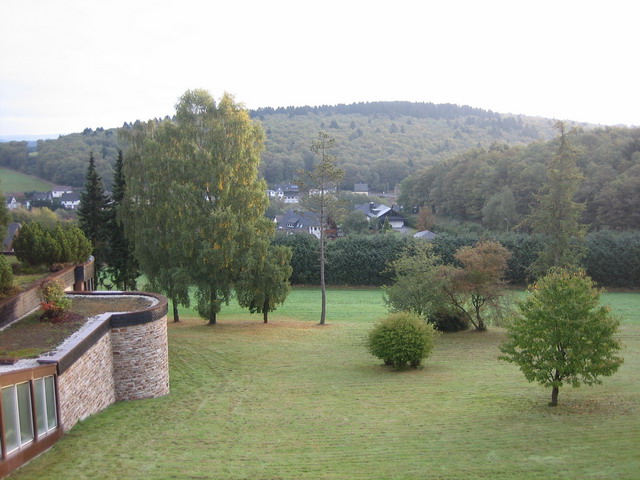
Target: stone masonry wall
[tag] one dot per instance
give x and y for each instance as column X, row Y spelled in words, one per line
column 88, row 385
column 19, row 305
column 141, row 360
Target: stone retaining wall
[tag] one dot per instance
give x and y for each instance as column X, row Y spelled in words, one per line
column 119, row 356
column 140, row 360
column 73, row 278
column 88, row 386
column 125, row 356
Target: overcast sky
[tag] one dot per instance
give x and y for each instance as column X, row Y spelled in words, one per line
column 70, row 64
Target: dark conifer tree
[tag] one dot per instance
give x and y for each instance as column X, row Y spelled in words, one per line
column 122, row 264
column 92, row 213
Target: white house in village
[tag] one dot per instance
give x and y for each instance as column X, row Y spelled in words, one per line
column 70, row 201
column 59, row 191
column 289, row 193
column 12, row 202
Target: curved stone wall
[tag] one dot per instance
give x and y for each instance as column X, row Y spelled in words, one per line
column 123, row 356
column 119, row 356
column 140, row 357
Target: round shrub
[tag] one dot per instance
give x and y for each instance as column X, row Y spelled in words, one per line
column 401, row 339
column 6, row 276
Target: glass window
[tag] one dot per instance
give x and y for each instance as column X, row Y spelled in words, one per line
column 41, row 406
column 52, row 421
column 24, row 412
column 10, row 417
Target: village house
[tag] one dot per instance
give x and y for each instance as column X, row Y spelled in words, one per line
column 70, row 201
column 293, row 222
column 289, row 193
column 382, row 213
column 59, row 191
column 12, row 202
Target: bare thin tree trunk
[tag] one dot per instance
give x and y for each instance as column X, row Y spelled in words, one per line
column 323, row 288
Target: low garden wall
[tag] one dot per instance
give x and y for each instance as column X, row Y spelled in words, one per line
column 78, row 278
column 118, row 356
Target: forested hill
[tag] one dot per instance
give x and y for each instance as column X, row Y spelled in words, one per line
column 498, row 185
column 379, row 143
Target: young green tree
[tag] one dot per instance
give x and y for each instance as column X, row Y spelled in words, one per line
column 557, row 215
column 92, row 213
column 563, row 335
column 122, row 264
column 265, row 284
column 324, row 177
column 416, row 286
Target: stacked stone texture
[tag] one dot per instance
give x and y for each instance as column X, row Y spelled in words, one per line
column 141, row 360
column 88, row 385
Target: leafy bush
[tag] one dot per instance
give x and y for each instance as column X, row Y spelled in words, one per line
column 54, row 301
column 401, row 339
column 38, row 245
column 444, row 321
column 6, row 276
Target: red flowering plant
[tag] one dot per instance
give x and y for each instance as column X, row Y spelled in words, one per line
column 54, row 301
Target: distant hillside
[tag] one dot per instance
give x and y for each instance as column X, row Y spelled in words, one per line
column 498, row 185
column 378, row 143
column 16, row 182
column 64, row 160
column 381, row 143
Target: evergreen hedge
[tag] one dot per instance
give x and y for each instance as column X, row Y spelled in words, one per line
column 612, row 260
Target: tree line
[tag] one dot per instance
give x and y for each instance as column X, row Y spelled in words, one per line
column 499, row 185
column 381, row 142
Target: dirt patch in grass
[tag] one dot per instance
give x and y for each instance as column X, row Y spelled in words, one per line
column 31, row 337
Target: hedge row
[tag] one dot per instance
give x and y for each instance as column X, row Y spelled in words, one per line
column 612, row 260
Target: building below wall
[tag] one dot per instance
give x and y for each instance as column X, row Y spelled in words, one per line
column 115, row 357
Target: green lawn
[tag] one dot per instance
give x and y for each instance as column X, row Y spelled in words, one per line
column 13, row 181
column 293, row 400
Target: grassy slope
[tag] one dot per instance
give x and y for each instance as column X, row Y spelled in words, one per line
column 294, row 400
column 15, row 182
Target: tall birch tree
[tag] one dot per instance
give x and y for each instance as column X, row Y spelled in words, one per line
column 197, row 177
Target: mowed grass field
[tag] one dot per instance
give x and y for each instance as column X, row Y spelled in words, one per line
column 294, row 400
column 13, row 181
